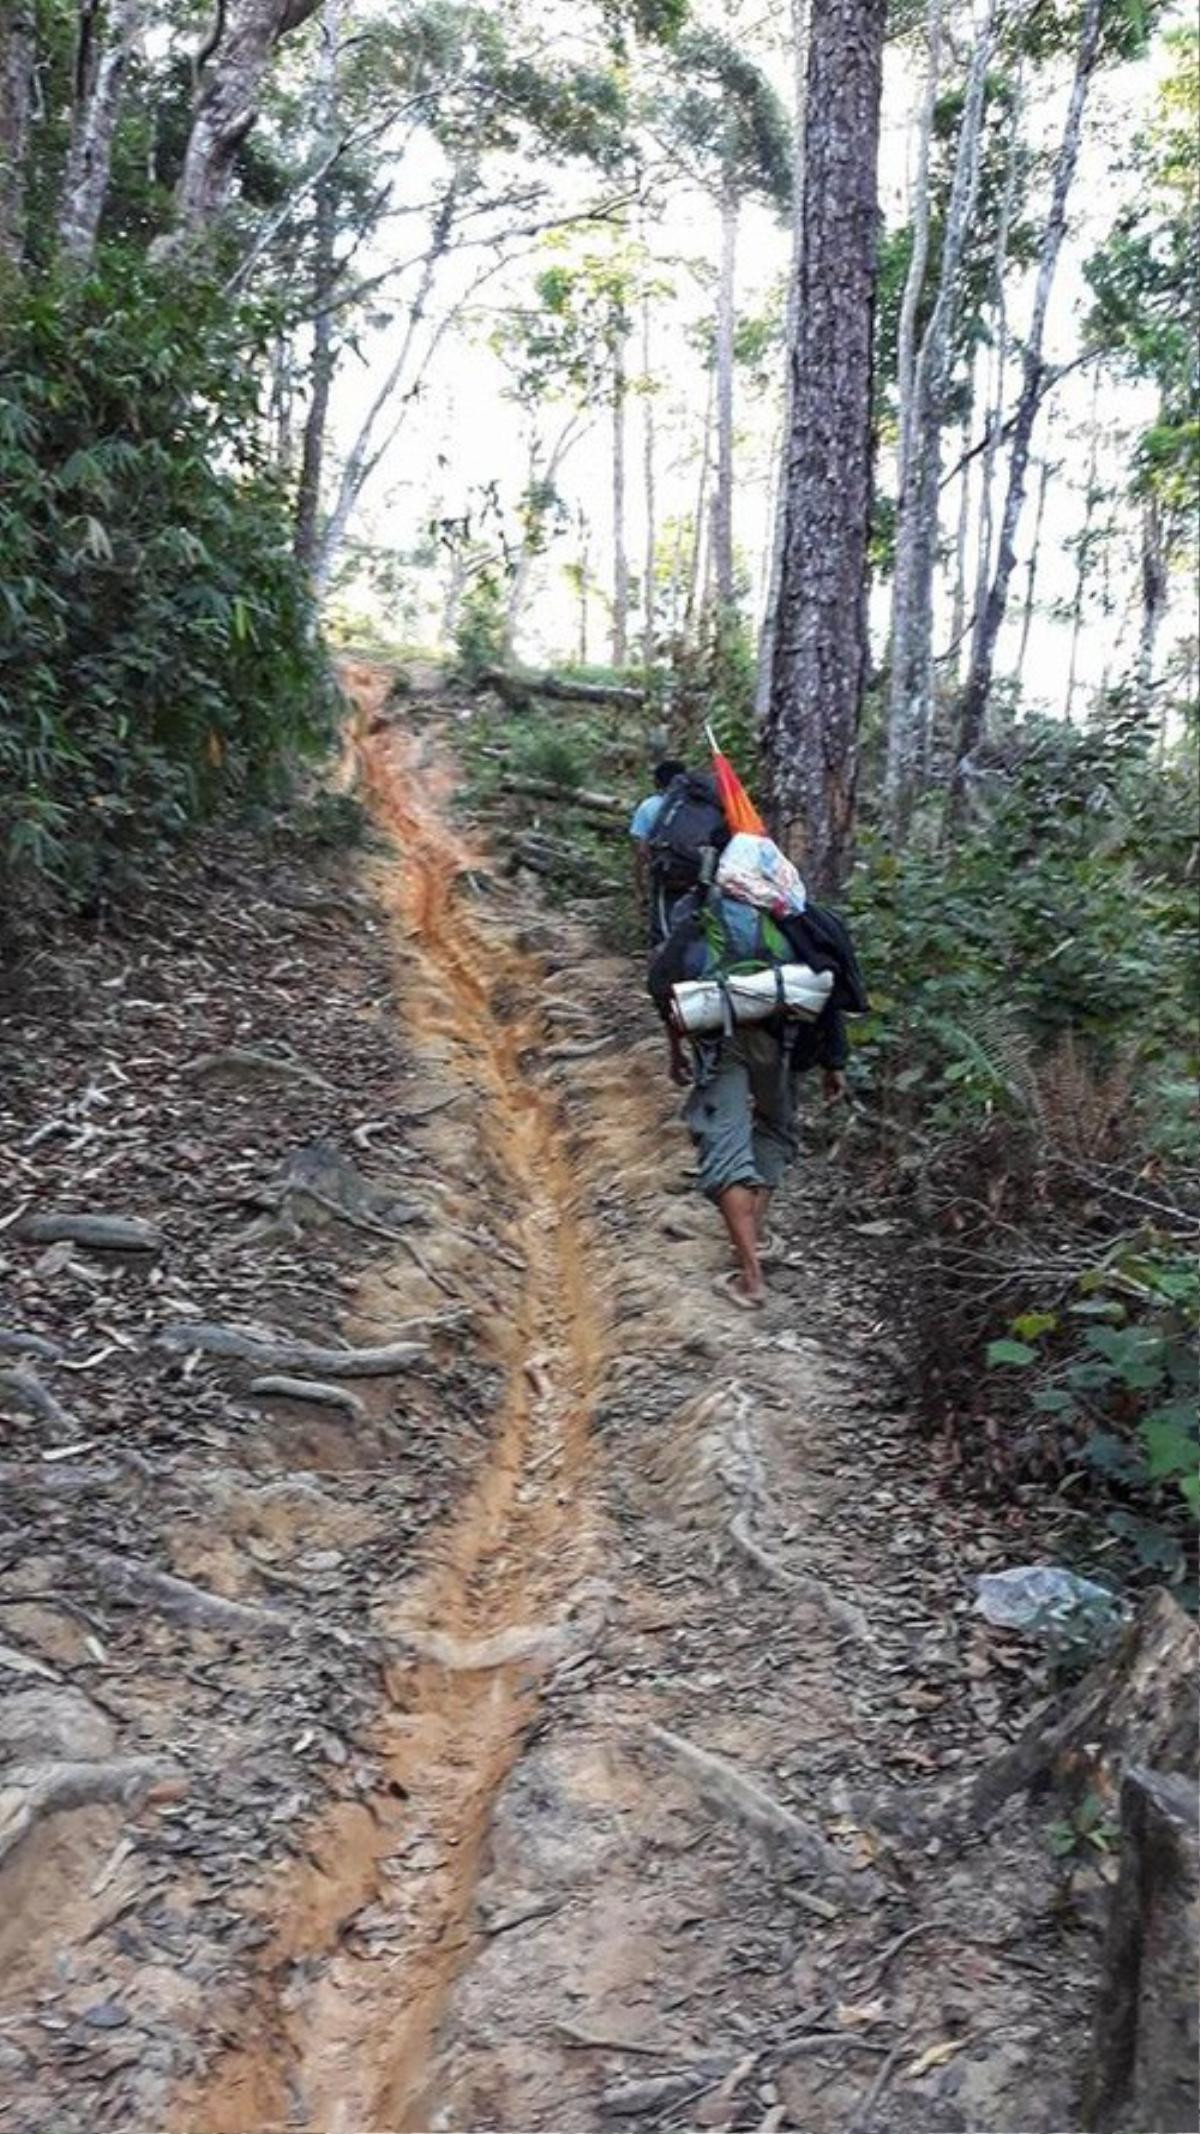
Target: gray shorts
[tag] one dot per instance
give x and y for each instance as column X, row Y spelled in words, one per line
column 742, row 1119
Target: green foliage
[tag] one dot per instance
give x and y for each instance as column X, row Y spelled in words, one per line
column 480, row 633
column 713, row 681
column 547, row 752
column 157, row 650
column 1089, row 1828
column 728, row 115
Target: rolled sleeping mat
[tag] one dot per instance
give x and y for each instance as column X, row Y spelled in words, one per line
column 702, row 1005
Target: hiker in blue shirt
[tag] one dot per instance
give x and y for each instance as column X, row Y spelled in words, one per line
column 641, row 830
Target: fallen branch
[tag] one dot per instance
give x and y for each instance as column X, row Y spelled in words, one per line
column 763, row 1814
column 275, row 1352
column 311, row 1389
column 517, row 689
column 98, row 1233
column 30, row 1791
column 23, row 1389
column 569, row 796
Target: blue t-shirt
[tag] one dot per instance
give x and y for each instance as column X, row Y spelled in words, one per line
column 645, row 815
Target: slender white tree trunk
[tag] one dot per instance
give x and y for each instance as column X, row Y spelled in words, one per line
column 911, row 697
column 107, row 39
column 324, row 359
column 766, row 635
column 979, row 680
column 696, row 570
column 1154, row 601
column 1031, row 569
column 620, row 598
column 995, row 408
column 650, row 568
column 958, row 612
column 18, row 52
column 1083, row 550
column 722, row 526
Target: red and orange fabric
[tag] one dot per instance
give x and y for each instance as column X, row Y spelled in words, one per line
column 740, row 811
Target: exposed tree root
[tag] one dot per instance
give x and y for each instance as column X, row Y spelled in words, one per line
column 23, row 1389
column 754, row 1807
column 186, row 1603
column 30, row 1791
column 843, row 1613
column 97, row 1233
column 311, row 1389
column 243, row 1059
column 15, row 1343
column 275, row 1352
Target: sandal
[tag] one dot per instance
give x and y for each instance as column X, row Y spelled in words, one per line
column 724, row 1286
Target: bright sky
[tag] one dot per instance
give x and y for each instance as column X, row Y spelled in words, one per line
column 462, row 431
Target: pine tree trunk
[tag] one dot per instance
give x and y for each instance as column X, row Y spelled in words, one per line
column 810, row 741
column 106, row 41
column 979, row 680
column 620, row 602
column 722, row 524
column 1154, row 601
column 766, row 635
column 18, row 51
column 911, row 697
column 324, row 359
column 650, row 570
column 232, row 75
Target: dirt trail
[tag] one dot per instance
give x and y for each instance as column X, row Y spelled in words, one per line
column 596, row 1791
column 506, row 1589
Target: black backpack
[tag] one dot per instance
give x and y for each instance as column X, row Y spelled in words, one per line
column 691, row 825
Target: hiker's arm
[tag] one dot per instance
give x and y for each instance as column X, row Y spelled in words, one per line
column 641, row 867
column 833, row 1050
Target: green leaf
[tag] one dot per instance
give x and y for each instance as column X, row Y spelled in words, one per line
column 1016, row 1352
column 1031, row 1325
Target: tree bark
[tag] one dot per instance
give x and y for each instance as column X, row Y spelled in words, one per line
column 722, row 521
column 766, row 635
column 650, row 569
column 541, row 482
column 995, row 412
column 820, row 663
column 620, row 600
column 910, row 706
column 231, row 76
column 18, row 50
column 324, row 360
column 1083, row 551
column 106, row 39
column 979, row 679
column 958, row 612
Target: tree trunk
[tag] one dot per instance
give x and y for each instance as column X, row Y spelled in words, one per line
column 695, row 572
column 620, row 601
column 722, row 521
column 995, row 410
column 914, row 281
column 1032, row 566
column 810, row 742
column 650, row 570
column 364, row 454
column 979, row 679
column 910, row 706
column 106, row 39
column 1083, row 551
column 766, row 635
column 231, row 73
column 958, row 612
column 585, row 565
column 18, row 50
column 539, row 491
column 1154, row 601
column 324, row 360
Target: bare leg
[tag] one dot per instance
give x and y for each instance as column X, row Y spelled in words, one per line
column 739, row 1212
column 762, row 1203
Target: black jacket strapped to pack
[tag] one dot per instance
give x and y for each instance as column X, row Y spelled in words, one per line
column 816, row 936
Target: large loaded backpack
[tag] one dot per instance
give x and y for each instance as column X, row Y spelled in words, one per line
column 686, row 840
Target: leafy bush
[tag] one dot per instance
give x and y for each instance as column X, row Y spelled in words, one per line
column 157, row 648
column 1031, row 1057
column 480, row 631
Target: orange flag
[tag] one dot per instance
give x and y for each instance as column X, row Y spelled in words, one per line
column 740, row 811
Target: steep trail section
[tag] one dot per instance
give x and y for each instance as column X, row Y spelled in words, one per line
column 345, row 2026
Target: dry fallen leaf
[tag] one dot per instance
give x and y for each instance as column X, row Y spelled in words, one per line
column 933, row 2056
column 854, row 2016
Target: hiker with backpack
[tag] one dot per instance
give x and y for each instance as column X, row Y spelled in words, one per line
column 757, row 982
column 680, row 823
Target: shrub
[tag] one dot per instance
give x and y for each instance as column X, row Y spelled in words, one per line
column 158, row 651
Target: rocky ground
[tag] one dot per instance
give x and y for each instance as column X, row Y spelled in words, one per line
column 552, row 1715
